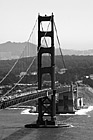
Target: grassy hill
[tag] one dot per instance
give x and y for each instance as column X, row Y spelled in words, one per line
column 12, row 50
column 71, row 62
column 77, row 67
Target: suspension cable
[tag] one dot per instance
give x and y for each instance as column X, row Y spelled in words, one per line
column 21, row 77
column 32, row 30
column 19, row 56
column 28, row 66
column 59, row 46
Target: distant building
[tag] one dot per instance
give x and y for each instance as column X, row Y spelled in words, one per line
column 34, row 73
column 62, row 71
column 91, row 76
column 47, row 84
column 22, row 74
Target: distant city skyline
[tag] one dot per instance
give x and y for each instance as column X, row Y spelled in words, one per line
column 73, row 18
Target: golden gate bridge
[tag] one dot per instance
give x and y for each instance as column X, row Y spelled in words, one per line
column 46, row 97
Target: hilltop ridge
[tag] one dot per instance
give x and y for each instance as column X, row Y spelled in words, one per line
column 12, row 50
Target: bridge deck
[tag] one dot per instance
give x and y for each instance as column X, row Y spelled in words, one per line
column 32, row 96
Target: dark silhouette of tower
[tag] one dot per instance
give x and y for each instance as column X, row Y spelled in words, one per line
column 50, row 108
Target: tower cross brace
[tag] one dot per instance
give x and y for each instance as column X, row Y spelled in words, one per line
column 46, row 104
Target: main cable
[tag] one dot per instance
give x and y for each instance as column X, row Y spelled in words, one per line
column 19, row 56
column 21, row 77
column 29, row 65
column 59, row 46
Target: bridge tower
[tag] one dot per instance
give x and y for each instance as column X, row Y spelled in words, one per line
column 46, row 104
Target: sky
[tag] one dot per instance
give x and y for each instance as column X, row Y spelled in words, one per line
column 73, row 19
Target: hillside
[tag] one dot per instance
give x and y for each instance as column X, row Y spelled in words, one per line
column 13, row 50
column 73, row 62
column 77, row 67
column 87, row 93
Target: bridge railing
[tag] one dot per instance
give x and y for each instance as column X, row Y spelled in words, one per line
column 33, row 96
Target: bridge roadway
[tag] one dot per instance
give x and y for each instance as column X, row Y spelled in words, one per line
column 33, row 96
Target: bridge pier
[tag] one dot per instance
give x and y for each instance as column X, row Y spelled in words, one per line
column 47, row 104
column 46, row 111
